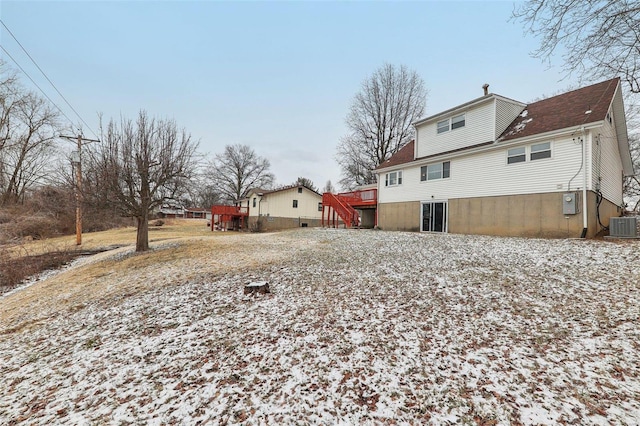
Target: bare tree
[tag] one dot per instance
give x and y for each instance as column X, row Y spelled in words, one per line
column 140, row 165
column 306, row 182
column 379, row 122
column 29, row 134
column 11, row 95
column 202, row 192
column 631, row 188
column 328, row 187
column 599, row 38
column 237, row 170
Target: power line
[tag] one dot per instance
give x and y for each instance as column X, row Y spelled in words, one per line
column 45, row 76
column 36, row 84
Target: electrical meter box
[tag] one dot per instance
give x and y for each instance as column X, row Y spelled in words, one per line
column 569, row 203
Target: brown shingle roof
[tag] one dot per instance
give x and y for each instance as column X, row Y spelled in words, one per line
column 555, row 113
column 562, row 111
column 404, row 155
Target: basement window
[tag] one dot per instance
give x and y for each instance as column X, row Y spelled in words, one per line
column 541, row 150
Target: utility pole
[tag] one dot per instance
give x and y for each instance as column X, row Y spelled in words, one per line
column 78, row 191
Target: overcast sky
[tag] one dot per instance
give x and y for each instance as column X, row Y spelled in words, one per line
column 278, row 76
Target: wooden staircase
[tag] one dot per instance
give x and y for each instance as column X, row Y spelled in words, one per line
column 343, row 205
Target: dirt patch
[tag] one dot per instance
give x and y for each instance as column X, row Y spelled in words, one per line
column 14, row 271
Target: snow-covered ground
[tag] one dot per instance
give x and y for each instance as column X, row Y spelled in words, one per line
column 361, row 327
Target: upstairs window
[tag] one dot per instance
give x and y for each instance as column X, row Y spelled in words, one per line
column 393, row 179
column 516, row 155
column 533, row 152
column 299, row 190
column 254, row 201
column 435, row 171
column 295, row 204
column 443, row 126
column 541, row 150
column 457, row 121
column 452, row 123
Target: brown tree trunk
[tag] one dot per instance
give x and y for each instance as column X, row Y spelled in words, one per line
column 142, row 235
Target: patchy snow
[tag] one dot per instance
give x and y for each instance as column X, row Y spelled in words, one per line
column 360, row 327
column 524, row 113
column 519, row 127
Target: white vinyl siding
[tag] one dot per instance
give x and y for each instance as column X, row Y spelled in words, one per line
column 506, row 112
column 280, row 204
column 488, row 174
column 478, row 128
column 606, row 163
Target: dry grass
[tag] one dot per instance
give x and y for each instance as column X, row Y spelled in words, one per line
column 186, row 247
column 173, row 228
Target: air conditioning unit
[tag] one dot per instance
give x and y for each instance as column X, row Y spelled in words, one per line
column 623, row 227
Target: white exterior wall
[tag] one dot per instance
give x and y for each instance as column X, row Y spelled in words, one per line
column 607, row 163
column 280, row 204
column 488, row 174
column 506, row 112
column 478, row 129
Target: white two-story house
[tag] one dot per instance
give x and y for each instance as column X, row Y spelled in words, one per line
column 496, row 166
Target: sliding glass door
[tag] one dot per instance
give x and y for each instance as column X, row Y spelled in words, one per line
column 434, row 216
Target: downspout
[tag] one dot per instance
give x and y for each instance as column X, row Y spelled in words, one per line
column 259, row 220
column 585, row 218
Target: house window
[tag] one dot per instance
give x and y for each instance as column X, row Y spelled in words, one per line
column 295, row 204
column 517, row 155
column 254, row 201
column 393, row 179
column 299, row 190
column 457, row 121
column 443, row 126
column 435, row 171
column 454, row 123
column 319, row 207
column 541, row 150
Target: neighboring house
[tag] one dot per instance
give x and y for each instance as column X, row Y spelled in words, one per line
column 552, row 168
column 171, row 210
column 288, row 207
column 196, row 213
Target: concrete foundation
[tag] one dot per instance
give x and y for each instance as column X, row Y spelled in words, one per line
column 270, row 223
column 531, row 215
